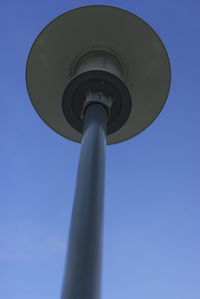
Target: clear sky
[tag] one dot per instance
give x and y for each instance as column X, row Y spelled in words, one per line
column 152, row 223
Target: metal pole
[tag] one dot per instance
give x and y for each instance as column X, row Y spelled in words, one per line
column 83, row 269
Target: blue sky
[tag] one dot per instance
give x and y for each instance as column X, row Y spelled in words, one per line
column 152, row 223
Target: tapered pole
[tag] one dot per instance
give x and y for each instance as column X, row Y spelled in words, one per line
column 82, row 277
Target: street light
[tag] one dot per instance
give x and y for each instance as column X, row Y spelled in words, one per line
column 96, row 75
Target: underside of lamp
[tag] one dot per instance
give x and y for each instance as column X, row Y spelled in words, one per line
column 98, row 48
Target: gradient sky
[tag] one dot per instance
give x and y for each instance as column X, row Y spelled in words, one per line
column 152, row 223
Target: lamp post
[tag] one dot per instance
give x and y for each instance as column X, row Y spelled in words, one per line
column 82, row 275
column 96, row 75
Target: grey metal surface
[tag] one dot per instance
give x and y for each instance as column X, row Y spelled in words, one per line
column 138, row 49
column 83, row 269
column 97, row 81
